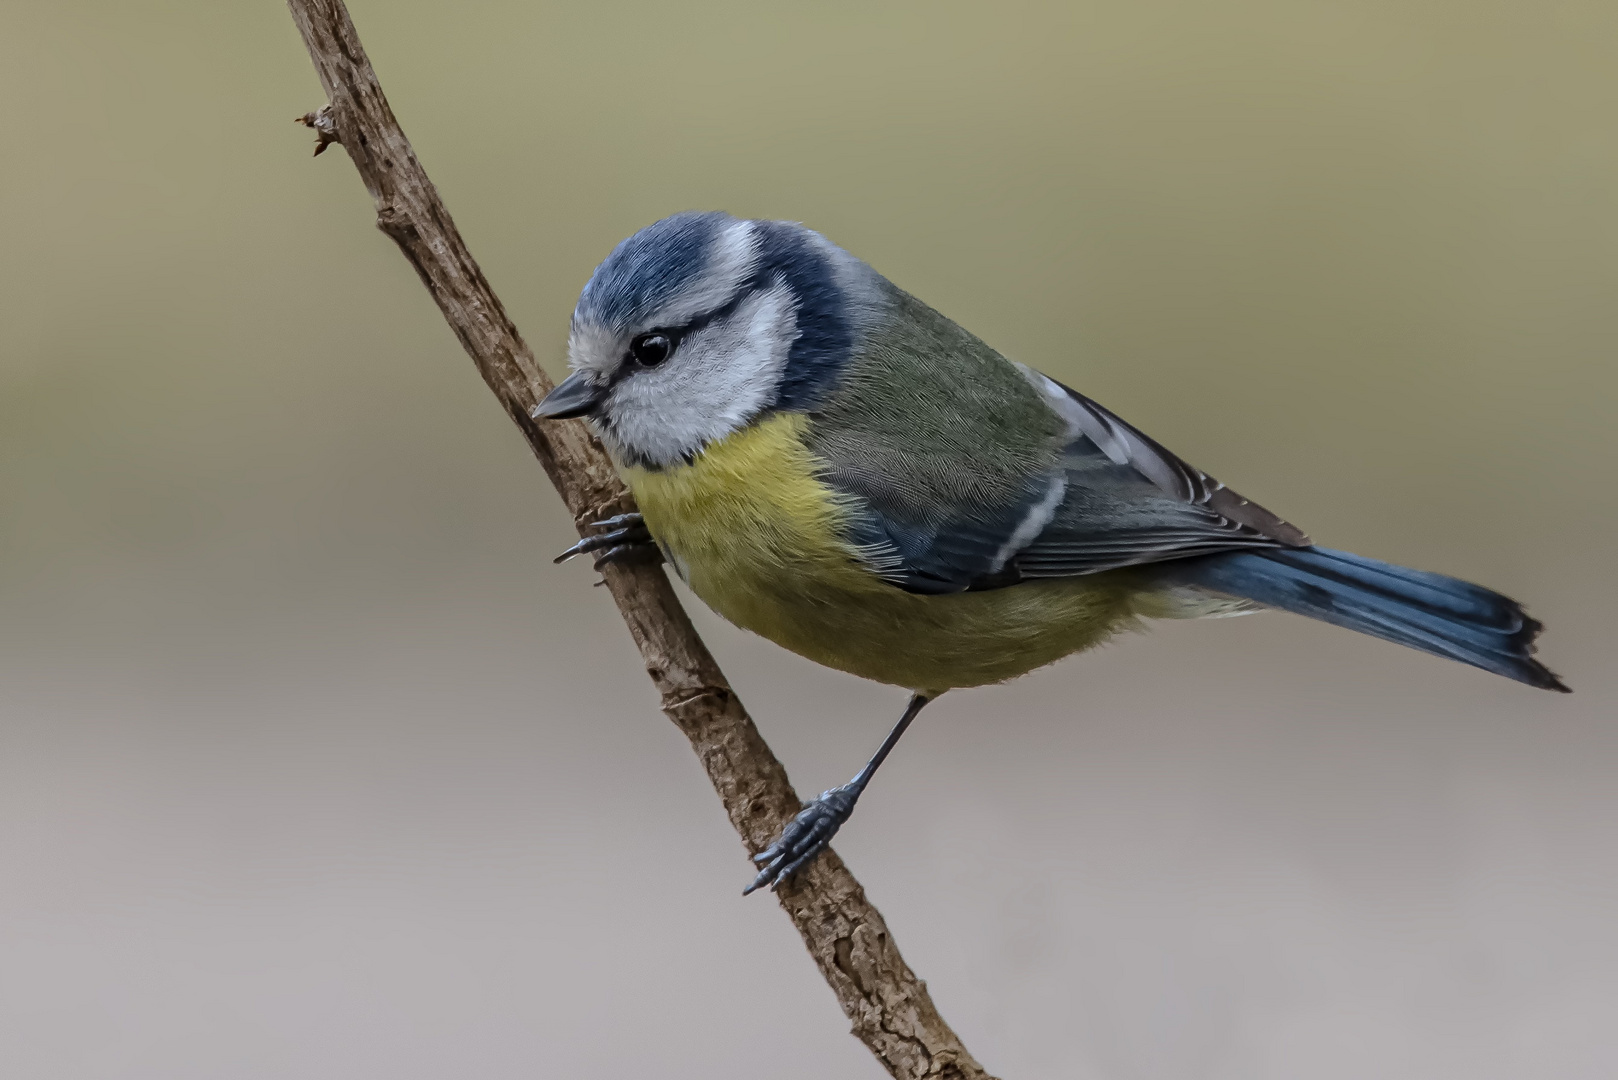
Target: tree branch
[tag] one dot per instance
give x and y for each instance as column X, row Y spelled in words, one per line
column 890, row 1008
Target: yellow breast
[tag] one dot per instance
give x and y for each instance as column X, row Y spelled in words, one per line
column 758, row 537
column 748, row 514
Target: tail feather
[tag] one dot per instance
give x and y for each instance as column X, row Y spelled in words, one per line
column 1430, row 612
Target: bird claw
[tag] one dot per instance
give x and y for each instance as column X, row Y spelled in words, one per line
column 804, row 837
column 646, row 552
column 627, row 540
column 619, row 521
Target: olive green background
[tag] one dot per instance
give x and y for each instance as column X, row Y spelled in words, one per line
column 312, row 765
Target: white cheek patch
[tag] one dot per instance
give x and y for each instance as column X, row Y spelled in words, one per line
column 718, row 379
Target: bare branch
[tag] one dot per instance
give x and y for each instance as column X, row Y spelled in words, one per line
column 889, row 1007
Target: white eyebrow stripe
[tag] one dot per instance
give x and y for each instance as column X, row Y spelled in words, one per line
column 730, row 260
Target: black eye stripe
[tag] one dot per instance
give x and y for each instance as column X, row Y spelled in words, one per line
column 675, row 334
column 723, row 311
column 702, row 322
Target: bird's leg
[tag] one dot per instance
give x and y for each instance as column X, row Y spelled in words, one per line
column 627, row 540
column 809, row 833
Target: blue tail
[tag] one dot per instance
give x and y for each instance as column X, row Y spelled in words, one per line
column 1430, row 612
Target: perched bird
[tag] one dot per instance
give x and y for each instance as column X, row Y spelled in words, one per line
column 829, row 462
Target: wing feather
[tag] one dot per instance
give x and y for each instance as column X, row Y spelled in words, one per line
column 984, row 473
column 1125, row 444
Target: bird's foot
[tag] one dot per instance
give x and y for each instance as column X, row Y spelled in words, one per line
column 804, row 837
column 626, row 540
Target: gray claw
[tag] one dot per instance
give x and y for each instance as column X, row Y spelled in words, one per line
column 630, row 553
column 627, row 532
column 577, row 549
column 804, row 837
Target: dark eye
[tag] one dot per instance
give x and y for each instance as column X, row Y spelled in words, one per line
column 650, row 350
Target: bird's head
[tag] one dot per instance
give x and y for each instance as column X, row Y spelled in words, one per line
column 700, row 324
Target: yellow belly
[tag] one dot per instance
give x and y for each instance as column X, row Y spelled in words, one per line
column 757, row 536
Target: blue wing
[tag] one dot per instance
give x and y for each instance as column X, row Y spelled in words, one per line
column 1109, row 497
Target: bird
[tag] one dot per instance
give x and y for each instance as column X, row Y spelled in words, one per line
column 830, row 463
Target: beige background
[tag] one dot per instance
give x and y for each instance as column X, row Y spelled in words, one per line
column 312, row 766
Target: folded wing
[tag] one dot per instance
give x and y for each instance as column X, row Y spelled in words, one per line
column 1108, row 497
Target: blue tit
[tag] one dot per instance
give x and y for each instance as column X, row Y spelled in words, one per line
column 830, row 463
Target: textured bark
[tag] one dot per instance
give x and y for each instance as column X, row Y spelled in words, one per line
column 889, row 1006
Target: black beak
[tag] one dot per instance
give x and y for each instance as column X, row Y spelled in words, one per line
column 573, row 396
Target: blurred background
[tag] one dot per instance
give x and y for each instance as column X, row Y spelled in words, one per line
column 312, row 765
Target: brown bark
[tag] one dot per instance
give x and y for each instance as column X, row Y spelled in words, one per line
column 889, row 1006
